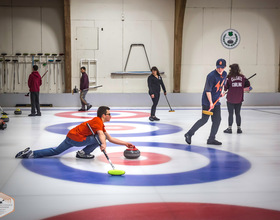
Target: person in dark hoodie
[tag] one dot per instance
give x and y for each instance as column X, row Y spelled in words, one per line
column 34, row 83
column 154, row 83
column 84, row 84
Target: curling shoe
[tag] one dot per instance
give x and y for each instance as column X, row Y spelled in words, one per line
column 88, row 107
column 156, row 119
column 239, row 131
column 188, row 138
column 151, row 118
column 214, row 142
column 81, row 154
column 24, row 154
column 228, row 131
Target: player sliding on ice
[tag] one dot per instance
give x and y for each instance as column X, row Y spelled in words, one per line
column 81, row 136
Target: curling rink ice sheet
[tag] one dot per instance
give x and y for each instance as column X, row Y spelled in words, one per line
column 170, row 180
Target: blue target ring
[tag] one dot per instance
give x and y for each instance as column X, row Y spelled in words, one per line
column 222, row 165
column 163, row 128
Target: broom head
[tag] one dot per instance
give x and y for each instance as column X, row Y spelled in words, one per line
column 207, row 112
column 116, row 172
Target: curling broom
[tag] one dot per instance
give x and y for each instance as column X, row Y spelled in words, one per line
column 171, row 110
column 112, row 172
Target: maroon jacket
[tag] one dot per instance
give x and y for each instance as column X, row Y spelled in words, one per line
column 84, row 81
column 34, row 82
column 235, row 87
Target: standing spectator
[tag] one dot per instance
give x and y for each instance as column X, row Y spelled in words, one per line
column 236, row 82
column 154, row 83
column 212, row 91
column 34, row 83
column 84, row 84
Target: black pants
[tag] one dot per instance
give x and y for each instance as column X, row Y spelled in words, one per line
column 234, row 107
column 155, row 103
column 35, row 104
column 216, row 119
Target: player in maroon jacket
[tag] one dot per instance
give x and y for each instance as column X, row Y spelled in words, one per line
column 236, row 82
column 34, row 83
column 84, row 84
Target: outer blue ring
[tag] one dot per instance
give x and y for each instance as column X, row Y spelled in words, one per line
column 222, row 165
column 163, row 128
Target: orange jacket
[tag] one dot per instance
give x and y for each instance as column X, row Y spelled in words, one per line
column 81, row 131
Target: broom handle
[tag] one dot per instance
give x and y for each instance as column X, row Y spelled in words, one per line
column 44, row 74
column 252, row 76
column 217, row 101
column 100, row 145
column 168, row 102
column 108, row 159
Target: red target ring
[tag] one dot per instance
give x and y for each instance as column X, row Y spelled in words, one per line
column 171, row 210
column 71, row 114
column 146, row 158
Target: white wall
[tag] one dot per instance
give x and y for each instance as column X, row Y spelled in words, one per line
column 257, row 22
column 31, row 27
column 35, row 26
column 125, row 22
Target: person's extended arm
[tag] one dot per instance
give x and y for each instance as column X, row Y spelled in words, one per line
column 117, row 141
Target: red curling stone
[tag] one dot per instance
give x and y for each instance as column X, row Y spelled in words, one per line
column 131, row 153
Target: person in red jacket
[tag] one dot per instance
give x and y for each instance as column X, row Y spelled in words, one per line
column 236, row 82
column 34, row 83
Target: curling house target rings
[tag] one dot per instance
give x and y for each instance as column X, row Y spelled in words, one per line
column 91, row 114
column 222, row 165
column 162, row 128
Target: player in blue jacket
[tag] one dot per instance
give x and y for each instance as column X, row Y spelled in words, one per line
column 212, row 91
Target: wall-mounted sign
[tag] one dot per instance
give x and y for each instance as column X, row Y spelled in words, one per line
column 230, row 38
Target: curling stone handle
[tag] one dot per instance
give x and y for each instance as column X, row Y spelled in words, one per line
column 132, row 146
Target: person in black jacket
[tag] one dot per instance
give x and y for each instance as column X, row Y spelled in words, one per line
column 154, row 83
column 84, row 84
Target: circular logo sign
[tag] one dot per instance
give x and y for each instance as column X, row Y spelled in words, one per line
column 230, row 38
